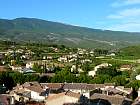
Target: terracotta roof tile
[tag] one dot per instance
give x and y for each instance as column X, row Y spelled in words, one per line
column 126, row 66
column 53, row 85
column 3, row 100
column 83, row 86
column 34, row 86
column 38, row 89
column 75, row 86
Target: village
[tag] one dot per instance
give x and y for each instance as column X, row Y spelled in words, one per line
column 33, row 74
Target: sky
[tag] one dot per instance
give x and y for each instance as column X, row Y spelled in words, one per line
column 118, row 15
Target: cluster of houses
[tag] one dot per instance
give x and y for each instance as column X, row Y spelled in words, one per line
column 71, row 57
column 71, row 94
column 65, row 93
column 26, row 56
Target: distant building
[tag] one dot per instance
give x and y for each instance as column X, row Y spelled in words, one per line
column 138, row 77
column 125, row 67
column 29, row 65
column 27, row 70
column 2, row 68
column 93, row 72
column 16, row 68
column 63, row 59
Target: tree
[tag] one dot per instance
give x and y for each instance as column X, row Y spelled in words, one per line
column 134, row 84
column 57, row 69
column 134, row 94
column 31, row 77
column 119, row 80
column 17, row 77
column 10, row 79
column 7, row 80
column 83, row 78
column 85, row 67
column 136, row 71
column 37, row 68
column 108, row 71
column 101, row 79
column 64, row 76
column 99, row 52
column 126, row 74
column 44, row 79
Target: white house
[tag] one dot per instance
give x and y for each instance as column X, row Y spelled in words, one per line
column 125, row 67
column 73, row 68
column 16, row 68
column 29, row 65
column 37, row 92
column 62, row 59
column 138, row 77
column 93, row 72
column 27, row 70
column 139, row 92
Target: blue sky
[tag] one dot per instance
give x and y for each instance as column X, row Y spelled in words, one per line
column 122, row 15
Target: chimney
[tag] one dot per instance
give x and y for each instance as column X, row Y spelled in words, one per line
column 12, row 100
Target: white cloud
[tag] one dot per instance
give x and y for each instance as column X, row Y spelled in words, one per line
column 129, row 27
column 130, row 2
column 127, row 20
column 126, row 13
column 120, row 3
column 126, row 17
column 117, row 4
column 112, row 16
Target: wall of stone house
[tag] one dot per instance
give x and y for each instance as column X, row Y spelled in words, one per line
column 17, row 97
column 139, row 93
column 61, row 100
column 36, row 96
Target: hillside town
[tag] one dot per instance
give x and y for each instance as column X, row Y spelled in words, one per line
column 39, row 74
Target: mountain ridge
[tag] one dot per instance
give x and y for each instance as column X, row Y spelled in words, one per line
column 24, row 29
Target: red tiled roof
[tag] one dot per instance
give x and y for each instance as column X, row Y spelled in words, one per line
column 115, row 100
column 34, row 86
column 38, row 89
column 77, row 86
column 3, row 100
column 126, row 66
column 2, row 68
column 53, row 85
